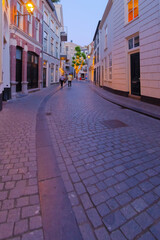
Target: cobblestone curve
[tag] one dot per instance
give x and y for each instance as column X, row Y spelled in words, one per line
column 111, row 173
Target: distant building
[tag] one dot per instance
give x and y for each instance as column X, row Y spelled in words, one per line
column 4, row 52
column 130, row 49
column 69, row 51
column 25, row 47
column 90, row 65
column 51, row 44
column 97, row 67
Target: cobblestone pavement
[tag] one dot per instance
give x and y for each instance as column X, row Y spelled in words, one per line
column 20, row 214
column 109, row 158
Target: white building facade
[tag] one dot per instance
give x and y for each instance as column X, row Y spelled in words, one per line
column 97, row 64
column 4, row 51
column 130, row 48
column 51, row 44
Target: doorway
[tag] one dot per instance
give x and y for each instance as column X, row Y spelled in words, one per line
column 135, row 74
column 32, row 70
column 44, row 77
column 18, row 69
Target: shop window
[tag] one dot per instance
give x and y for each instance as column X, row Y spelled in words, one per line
column 52, row 72
column 133, row 11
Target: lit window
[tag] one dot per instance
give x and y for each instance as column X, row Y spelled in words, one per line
column 132, row 9
column 133, row 42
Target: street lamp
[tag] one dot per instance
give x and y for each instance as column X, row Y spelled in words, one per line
column 30, row 6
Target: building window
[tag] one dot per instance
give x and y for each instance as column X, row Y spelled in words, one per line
column 29, row 25
column 52, row 25
column 97, row 54
column 66, row 48
column 110, row 66
column 132, row 9
column 56, row 49
column 133, row 42
column 56, row 73
column 52, row 47
column 19, row 19
column 37, row 29
column 56, row 30
column 45, row 17
column 52, row 72
column 106, row 34
column 45, row 41
column 105, row 69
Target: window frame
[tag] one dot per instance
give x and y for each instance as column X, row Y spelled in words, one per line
column 110, row 66
column 132, row 10
column 19, row 13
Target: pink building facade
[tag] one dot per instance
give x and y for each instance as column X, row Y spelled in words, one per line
column 25, row 48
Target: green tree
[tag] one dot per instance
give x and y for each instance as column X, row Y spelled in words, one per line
column 54, row 1
column 78, row 61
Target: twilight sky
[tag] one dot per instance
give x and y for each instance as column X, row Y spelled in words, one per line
column 81, row 18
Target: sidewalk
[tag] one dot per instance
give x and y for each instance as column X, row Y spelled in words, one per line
column 129, row 103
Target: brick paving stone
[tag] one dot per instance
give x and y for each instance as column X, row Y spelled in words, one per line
column 73, row 198
column 135, row 192
column 123, row 198
column 86, row 201
column 117, row 235
column 30, row 211
column 144, row 220
column 112, row 204
column 13, row 215
column 80, row 214
column 103, row 209
column 156, row 230
column 147, row 236
column 79, row 188
column 139, row 204
column 3, row 216
column 35, row 235
column 154, row 211
column 86, row 232
column 131, row 229
column 128, row 211
column 21, row 227
column 6, row 230
column 102, row 234
column 114, row 221
column 35, row 222
column 94, row 217
column 150, row 197
column 99, row 197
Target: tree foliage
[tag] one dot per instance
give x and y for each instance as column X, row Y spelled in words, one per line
column 55, row 1
column 78, row 61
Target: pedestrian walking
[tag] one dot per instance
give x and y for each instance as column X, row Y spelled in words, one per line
column 70, row 77
column 61, row 80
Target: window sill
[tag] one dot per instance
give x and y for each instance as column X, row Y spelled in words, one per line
column 126, row 24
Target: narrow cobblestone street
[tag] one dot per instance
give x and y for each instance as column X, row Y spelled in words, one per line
column 107, row 156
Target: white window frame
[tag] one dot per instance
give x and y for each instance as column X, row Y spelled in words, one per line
column 37, row 29
column 105, row 68
column 45, row 40
column 52, row 46
column 106, row 35
column 46, row 17
column 110, row 66
column 132, row 10
column 19, row 19
column 133, row 38
column 29, row 24
column 52, row 25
